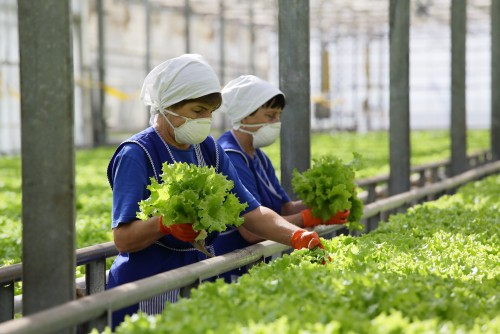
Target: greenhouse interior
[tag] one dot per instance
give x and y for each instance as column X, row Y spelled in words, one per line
column 373, row 209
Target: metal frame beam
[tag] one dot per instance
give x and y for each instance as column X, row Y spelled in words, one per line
column 294, row 73
column 48, row 153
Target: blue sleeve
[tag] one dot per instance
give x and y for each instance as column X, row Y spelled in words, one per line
column 130, row 177
column 271, row 174
column 227, row 168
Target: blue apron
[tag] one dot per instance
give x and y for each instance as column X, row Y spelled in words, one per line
column 166, row 254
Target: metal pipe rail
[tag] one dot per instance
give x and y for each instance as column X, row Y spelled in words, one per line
column 376, row 187
column 100, row 305
column 94, row 259
column 83, row 256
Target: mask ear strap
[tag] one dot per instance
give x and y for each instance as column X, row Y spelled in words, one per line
column 166, row 118
column 172, row 113
column 246, row 131
column 256, row 125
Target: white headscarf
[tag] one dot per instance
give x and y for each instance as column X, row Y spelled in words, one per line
column 182, row 78
column 244, row 95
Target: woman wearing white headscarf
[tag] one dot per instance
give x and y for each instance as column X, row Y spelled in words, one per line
column 182, row 93
column 254, row 107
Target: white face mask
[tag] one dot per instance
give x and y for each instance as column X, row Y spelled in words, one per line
column 266, row 135
column 193, row 131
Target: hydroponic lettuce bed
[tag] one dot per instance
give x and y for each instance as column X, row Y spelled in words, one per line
column 434, row 269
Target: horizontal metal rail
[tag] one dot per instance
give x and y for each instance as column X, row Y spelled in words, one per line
column 101, row 305
column 94, row 259
column 83, row 256
column 376, row 187
column 414, row 195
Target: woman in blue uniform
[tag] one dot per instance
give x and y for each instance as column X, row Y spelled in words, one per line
column 254, row 107
column 182, row 93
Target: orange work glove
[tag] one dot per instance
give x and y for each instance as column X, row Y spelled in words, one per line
column 310, row 221
column 339, row 218
column 304, row 239
column 183, row 232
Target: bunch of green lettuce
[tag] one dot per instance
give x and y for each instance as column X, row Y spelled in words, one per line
column 328, row 187
column 193, row 194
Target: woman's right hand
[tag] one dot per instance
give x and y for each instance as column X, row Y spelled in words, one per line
column 305, row 239
column 183, row 232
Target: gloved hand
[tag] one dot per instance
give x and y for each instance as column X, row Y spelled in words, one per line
column 310, row 221
column 339, row 218
column 305, row 239
column 183, row 232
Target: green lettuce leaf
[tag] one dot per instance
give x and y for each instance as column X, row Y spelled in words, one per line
column 193, row 194
column 329, row 186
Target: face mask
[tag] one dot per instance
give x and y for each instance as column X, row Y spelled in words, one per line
column 266, row 135
column 193, row 131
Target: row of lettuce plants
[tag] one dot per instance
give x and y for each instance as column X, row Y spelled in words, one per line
column 434, row 269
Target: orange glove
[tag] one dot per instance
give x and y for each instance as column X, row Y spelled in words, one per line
column 310, row 221
column 183, row 232
column 339, row 218
column 304, row 239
